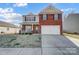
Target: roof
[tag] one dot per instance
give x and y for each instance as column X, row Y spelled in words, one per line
column 30, row 13
column 73, row 14
column 6, row 24
column 50, row 10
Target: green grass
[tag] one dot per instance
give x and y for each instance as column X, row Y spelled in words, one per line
column 20, row 41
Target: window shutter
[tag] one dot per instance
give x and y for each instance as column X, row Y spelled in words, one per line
column 46, row 16
column 53, row 16
column 25, row 18
column 58, row 16
column 42, row 16
column 34, row 18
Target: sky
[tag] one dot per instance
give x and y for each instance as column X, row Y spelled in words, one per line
column 12, row 12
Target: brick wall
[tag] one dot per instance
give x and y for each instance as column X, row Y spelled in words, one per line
column 50, row 21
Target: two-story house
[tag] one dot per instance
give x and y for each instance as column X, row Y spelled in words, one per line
column 30, row 23
column 48, row 21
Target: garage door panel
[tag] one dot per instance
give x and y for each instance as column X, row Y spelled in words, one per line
column 50, row 29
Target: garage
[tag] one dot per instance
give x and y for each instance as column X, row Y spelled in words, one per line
column 50, row 29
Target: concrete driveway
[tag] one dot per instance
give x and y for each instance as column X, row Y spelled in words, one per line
column 50, row 45
column 56, row 41
column 57, row 44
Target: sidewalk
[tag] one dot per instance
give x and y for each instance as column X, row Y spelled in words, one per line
column 20, row 51
column 74, row 38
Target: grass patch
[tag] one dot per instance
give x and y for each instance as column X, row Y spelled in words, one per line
column 20, row 41
column 12, row 40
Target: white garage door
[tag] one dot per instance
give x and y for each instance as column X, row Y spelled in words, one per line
column 50, row 29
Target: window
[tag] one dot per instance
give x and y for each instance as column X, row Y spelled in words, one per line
column 44, row 17
column 30, row 18
column 52, row 15
column 56, row 17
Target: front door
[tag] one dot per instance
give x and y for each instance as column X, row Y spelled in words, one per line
column 28, row 28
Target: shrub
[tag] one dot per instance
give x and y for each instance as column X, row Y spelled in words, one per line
column 17, row 44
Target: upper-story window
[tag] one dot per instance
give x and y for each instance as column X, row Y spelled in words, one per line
column 30, row 18
column 45, row 17
column 55, row 16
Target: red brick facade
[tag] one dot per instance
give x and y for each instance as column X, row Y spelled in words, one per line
column 50, row 21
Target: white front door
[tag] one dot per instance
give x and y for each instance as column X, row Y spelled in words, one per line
column 50, row 29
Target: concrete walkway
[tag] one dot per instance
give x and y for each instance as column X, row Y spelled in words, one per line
column 51, row 45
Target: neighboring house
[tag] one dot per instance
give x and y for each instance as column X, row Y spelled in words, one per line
column 7, row 28
column 71, row 23
column 48, row 21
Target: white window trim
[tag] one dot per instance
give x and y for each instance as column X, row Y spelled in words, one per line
column 30, row 18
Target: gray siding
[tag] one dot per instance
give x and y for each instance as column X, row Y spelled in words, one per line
column 71, row 23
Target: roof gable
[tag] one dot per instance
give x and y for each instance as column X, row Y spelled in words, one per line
column 6, row 24
column 50, row 10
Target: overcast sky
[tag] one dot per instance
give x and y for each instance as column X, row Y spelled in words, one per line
column 12, row 12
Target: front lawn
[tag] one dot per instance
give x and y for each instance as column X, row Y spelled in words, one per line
column 20, row 41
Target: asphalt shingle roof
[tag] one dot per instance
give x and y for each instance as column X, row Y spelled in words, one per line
column 6, row 24
column 50, row 10
column 30, row 13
